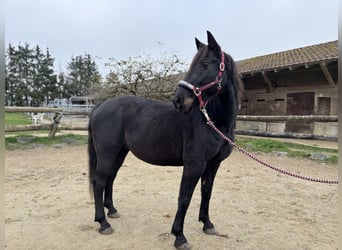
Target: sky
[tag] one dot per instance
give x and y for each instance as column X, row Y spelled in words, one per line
column 125, row 28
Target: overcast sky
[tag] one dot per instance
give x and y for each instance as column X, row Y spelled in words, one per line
column 122, row 28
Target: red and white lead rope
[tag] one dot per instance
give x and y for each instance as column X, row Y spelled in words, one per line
column 211, row 124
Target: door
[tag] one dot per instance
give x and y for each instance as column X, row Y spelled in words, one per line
column 323, row 105
column 300, row 104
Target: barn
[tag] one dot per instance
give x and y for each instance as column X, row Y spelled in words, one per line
column 300, row 81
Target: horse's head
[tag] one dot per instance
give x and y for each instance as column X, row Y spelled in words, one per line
column 203, row 79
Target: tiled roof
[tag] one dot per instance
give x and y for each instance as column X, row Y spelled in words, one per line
column 295, row 57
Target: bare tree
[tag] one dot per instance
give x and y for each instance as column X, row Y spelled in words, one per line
column 142, row 75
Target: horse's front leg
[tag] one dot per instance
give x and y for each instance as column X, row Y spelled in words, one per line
column 191, row 175
column 207, row 181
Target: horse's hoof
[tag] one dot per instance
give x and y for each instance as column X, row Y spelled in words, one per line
column 210, row 231
column 114, row 215
column 184, row 246
column 106, row 231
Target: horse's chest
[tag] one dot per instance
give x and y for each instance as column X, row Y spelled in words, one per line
column 214, row 147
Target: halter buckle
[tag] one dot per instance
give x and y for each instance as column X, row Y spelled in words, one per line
column 219, row 79
column 222, row 66
column 197, row 91
column 219, row 86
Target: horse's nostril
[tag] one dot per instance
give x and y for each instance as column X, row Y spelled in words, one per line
column 177, row 102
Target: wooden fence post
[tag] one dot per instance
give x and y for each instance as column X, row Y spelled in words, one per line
column 54, row 125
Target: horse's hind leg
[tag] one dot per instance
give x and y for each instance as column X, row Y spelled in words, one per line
column 207, row 181
column 102, row 175
column 108, row 200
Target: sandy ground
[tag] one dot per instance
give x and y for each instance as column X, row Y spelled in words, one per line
column 48, row 206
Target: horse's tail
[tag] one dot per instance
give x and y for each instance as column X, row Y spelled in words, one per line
column 91, row 154
column 92, row 159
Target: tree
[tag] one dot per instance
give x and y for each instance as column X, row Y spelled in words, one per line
column 48, row 78
column 24, row 58
column 30, row 77
column 45, row 81
column 37, row 94
column 60, row 85
column 144, row 76
column 11, row 79
column 82, row 73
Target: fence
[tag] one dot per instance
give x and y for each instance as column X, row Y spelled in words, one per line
column 58, row 113
column 323, row 127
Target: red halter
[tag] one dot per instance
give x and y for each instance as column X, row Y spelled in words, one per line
column 198, row 90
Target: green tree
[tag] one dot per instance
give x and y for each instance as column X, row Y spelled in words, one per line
column 30, row 78
column 11, row 79
column 49, row 79
column 60, row 85
column 82, row 73
column 24, row 58
column 37, row 94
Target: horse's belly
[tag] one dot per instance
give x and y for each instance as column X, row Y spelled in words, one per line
column 157, row 155
column 157, row 159
column 156, row 150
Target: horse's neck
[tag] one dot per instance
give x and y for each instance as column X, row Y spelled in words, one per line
column 223, row 110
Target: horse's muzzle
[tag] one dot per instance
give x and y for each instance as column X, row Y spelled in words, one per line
column 183, row 103
column 177, row 102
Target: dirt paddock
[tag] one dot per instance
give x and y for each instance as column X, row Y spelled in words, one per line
column 48, row 206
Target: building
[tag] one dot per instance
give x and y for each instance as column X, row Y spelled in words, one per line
column 301, row 81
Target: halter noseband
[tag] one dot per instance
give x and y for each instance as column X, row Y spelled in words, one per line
column 198, row 90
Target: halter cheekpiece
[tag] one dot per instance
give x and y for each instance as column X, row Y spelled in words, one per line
column 198, row 90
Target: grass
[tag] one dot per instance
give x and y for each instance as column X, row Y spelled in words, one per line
column 293, row 149
column 13, row 119
column 27, row 133
column 12, row 142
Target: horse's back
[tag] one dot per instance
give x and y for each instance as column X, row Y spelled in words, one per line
column 149, row 128
column 129, row 109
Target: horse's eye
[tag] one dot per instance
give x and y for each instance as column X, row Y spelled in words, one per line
column 205, row 63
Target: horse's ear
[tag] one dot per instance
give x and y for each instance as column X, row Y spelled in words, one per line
column 212, row 43
column 198, row 44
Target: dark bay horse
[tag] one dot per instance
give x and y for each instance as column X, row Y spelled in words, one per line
column 169, row 135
